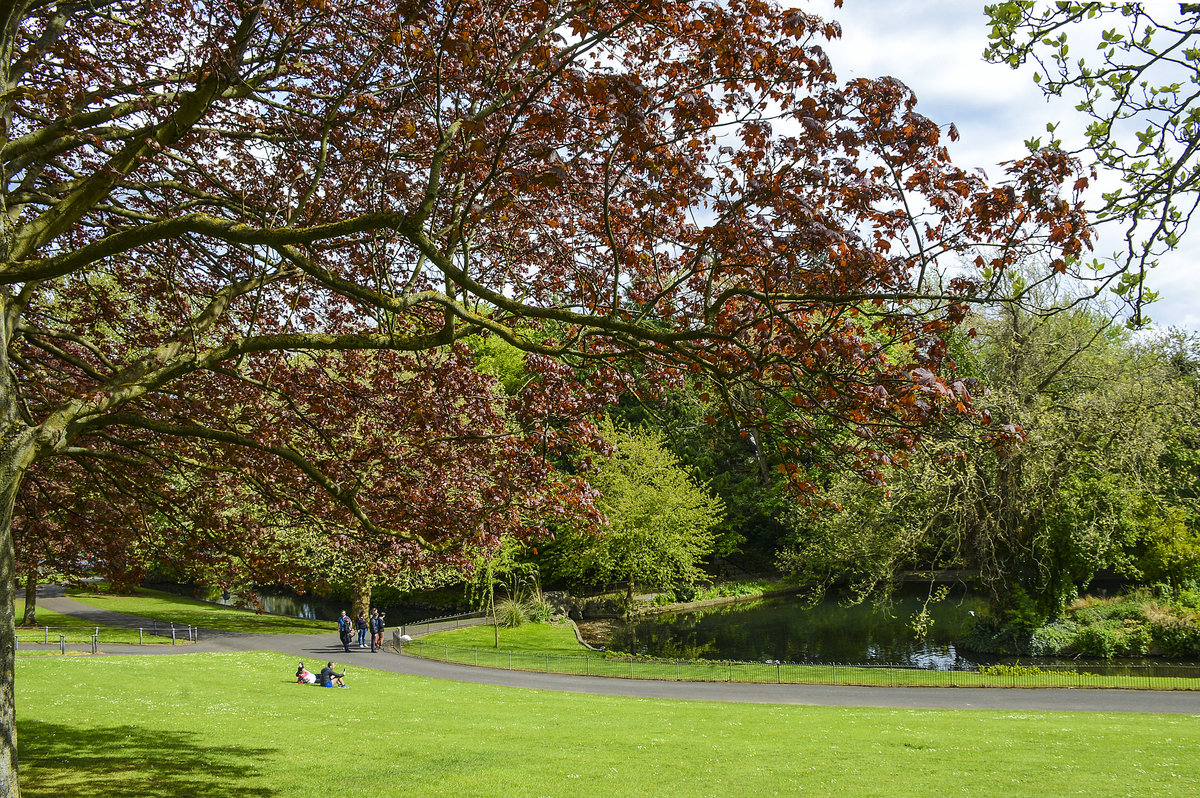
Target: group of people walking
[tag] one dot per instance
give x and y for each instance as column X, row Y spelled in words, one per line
column 372, row 626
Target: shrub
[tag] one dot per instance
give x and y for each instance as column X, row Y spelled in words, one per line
column 538, row 608
column 511, row 613
column 1176, row 636
column 1113, row 638
column 1053, row 639
column 1016, row 669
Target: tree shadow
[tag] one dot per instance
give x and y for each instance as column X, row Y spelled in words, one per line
column 65, row 761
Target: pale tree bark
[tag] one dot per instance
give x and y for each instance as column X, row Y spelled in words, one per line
column 15, row 458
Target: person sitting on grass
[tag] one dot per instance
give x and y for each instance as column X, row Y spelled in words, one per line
column 304, row 675
column 328, row 677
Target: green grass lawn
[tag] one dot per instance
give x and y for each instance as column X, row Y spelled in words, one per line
column 543, row 638
column 221, row 725
column 553, row 648
column 76, row 630
column 180, row 610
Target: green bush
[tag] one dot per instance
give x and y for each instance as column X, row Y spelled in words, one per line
column 1053, row 639
column 1016, row 669
column 1113, row 638
column 1176, row 636
column 538, row 608
column 511, row 613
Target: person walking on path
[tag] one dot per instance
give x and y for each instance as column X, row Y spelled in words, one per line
column 376, row 630
column 380, row 628
column 345, row 627
column 362, row 624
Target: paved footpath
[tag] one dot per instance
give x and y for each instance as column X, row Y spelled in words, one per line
column 321, row 648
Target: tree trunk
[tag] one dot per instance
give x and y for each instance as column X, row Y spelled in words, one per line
column 10, row 481
column 31, row 583
column 361, row 596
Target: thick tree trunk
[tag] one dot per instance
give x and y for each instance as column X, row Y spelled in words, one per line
column 361, row 597
column 10, row 481
column 31, row 585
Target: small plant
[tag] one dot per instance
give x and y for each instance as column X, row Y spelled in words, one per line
column 1016, row 669
column 511, row 613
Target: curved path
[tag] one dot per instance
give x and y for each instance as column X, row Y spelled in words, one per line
column 321, row 648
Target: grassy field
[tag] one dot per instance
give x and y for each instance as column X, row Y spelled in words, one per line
column 553, row 648
column 186, row 611
column 76, row 630
column 543, row 638
column 237, row 725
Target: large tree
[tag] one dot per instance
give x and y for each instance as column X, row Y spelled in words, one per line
column 203, row 200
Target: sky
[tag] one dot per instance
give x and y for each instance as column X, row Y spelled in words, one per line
column 935, row 47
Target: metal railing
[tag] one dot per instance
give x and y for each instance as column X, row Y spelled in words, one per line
column 119, row 635
column 442, row 623
column 1139, row 677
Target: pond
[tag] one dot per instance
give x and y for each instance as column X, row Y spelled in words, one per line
column 784, row 629
column 277, row 601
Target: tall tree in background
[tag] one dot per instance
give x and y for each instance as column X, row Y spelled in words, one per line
column 1134, row 71
column 1087, row 487
column 202, row 201
column 658, row 521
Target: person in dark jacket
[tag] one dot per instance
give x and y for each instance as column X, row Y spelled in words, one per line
column 329, row 677
column 381, row 627
column 362, row 624
column 345, row 628
column 375, row 630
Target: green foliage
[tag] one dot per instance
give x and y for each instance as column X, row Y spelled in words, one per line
column 660, row 520
column 1079, row 469
column 1135, row 625
column 1016, row 669
column 1136, row 87
column 510, row 613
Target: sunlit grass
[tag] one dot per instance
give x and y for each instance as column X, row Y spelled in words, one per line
column 543, row 638
column 75, row 630
column 223, row 725
column 180, row 610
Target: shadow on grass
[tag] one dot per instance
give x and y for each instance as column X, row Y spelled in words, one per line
column 64, row 761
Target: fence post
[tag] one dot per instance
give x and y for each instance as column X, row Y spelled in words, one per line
column 62, row 644
column 47, row 640
column 172, row 634
column 96, row 642
column 778, row 673
column 141, row 639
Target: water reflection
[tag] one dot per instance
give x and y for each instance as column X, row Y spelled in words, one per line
column 784, row 629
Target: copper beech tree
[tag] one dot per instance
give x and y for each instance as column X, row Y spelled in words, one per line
column 214, row 211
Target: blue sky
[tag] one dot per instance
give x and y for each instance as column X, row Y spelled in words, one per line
column 935, row 47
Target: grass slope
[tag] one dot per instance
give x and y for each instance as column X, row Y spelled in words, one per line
column 76, row 630
column 186, row 611
column 543, row 638
column 237, row 725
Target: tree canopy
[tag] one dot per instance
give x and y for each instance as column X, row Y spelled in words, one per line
column 212, row 209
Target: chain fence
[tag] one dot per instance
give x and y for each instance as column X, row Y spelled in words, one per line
column 1139, row 677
